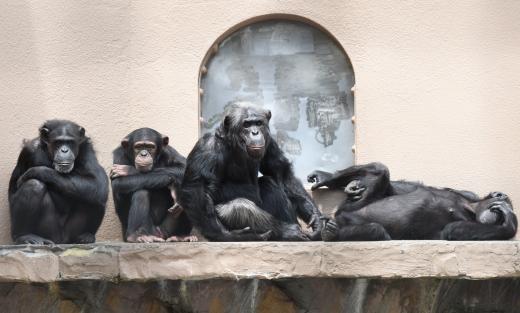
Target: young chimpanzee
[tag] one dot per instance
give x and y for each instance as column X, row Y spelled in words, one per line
column 379, row 209
column 145, row 176
column 225, row 198
column 58, row 190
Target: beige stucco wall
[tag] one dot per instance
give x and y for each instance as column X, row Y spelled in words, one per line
column 437, row 97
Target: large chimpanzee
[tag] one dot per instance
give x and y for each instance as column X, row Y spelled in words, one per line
column 379, row 209
column 145, row 176
column 225, row 198
column 58, row 190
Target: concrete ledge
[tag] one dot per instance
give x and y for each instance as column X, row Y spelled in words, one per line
column 262, row 260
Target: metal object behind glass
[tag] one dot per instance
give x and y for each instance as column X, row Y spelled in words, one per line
column 300, row 74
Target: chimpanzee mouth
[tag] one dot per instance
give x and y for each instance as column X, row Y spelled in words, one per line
column 255, row 152
column 64, row 167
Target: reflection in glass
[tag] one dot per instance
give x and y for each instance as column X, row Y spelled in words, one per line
column 301, row 75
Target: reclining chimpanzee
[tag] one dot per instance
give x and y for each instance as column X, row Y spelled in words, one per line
column 145, row 176
column 225, row 198
column 379, row 209
column 58, row 190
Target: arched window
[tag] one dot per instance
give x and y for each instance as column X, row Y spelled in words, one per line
column 298, row 72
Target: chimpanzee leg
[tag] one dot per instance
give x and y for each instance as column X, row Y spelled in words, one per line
column 350, row 227
column 33, row 215
column 367, row 184
column 139, row 219
column 82, row 225
column 276, row 202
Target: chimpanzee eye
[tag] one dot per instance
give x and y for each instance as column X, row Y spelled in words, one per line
column 247, row 124
column 258, row 123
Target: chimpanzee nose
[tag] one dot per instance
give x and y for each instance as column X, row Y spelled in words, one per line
column 254, row 132
column 64, row 149
column 143, row 152
column 499, row 195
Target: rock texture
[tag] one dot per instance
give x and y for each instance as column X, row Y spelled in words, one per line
column 261, row 260
column 396, row 276
column 253, row 295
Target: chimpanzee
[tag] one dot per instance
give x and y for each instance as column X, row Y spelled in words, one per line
column 58, row 190
column 379, row 209
column 145, row 176
column 224, row 195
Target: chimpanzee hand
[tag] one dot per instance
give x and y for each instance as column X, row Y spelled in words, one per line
column 354, row 190
column 316, row 224
column 330, row 229
column 318, row 178
column 119, row 170
column 175, row 210
column 37, row 172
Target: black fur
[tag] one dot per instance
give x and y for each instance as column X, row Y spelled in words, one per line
column 379, row 209
column 224, row 167
column 47, row 206
column 142, row 200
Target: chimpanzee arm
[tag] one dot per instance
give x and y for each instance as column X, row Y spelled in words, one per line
column 88, row 181
column 199, row 185
column 468, row 230
column 23, row 163
column 276, row 165
column 170, row 171
column 340, row 179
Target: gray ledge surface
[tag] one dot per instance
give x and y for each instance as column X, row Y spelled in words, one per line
column 262, row 260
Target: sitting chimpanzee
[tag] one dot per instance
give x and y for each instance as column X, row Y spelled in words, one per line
column 379, row 209
column 145, row 176
column 225, row 198
column 58, row 190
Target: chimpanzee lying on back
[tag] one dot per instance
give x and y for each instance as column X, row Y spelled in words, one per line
column 58, row 190
column 379, row 209
column 225, row 198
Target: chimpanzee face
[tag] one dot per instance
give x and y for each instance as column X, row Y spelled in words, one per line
column 248, row 128
column 143, row 146
column 493, row 208
column 63, row 142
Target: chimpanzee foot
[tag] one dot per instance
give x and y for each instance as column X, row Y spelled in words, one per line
column 32, row 240
column 354, row 190
column 247, row 234
column 182, row 239
column 86, row 238
column 293, row 232
column 145, row 239
column 318, row 178
column 329, row 231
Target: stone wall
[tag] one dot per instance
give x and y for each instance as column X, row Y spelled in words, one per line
column 253, row 295
column 396, row 276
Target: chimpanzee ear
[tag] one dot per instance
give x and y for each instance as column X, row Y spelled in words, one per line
column 227, row 122
column 165, row 141
column 268, row 115
column 223, row 129
column 44, row 134
column 81, row 131
column 125, row 142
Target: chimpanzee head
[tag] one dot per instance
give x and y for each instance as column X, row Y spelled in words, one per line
column 144, row 146
column 246, row 128
column 62, row 140
column 493, row 208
